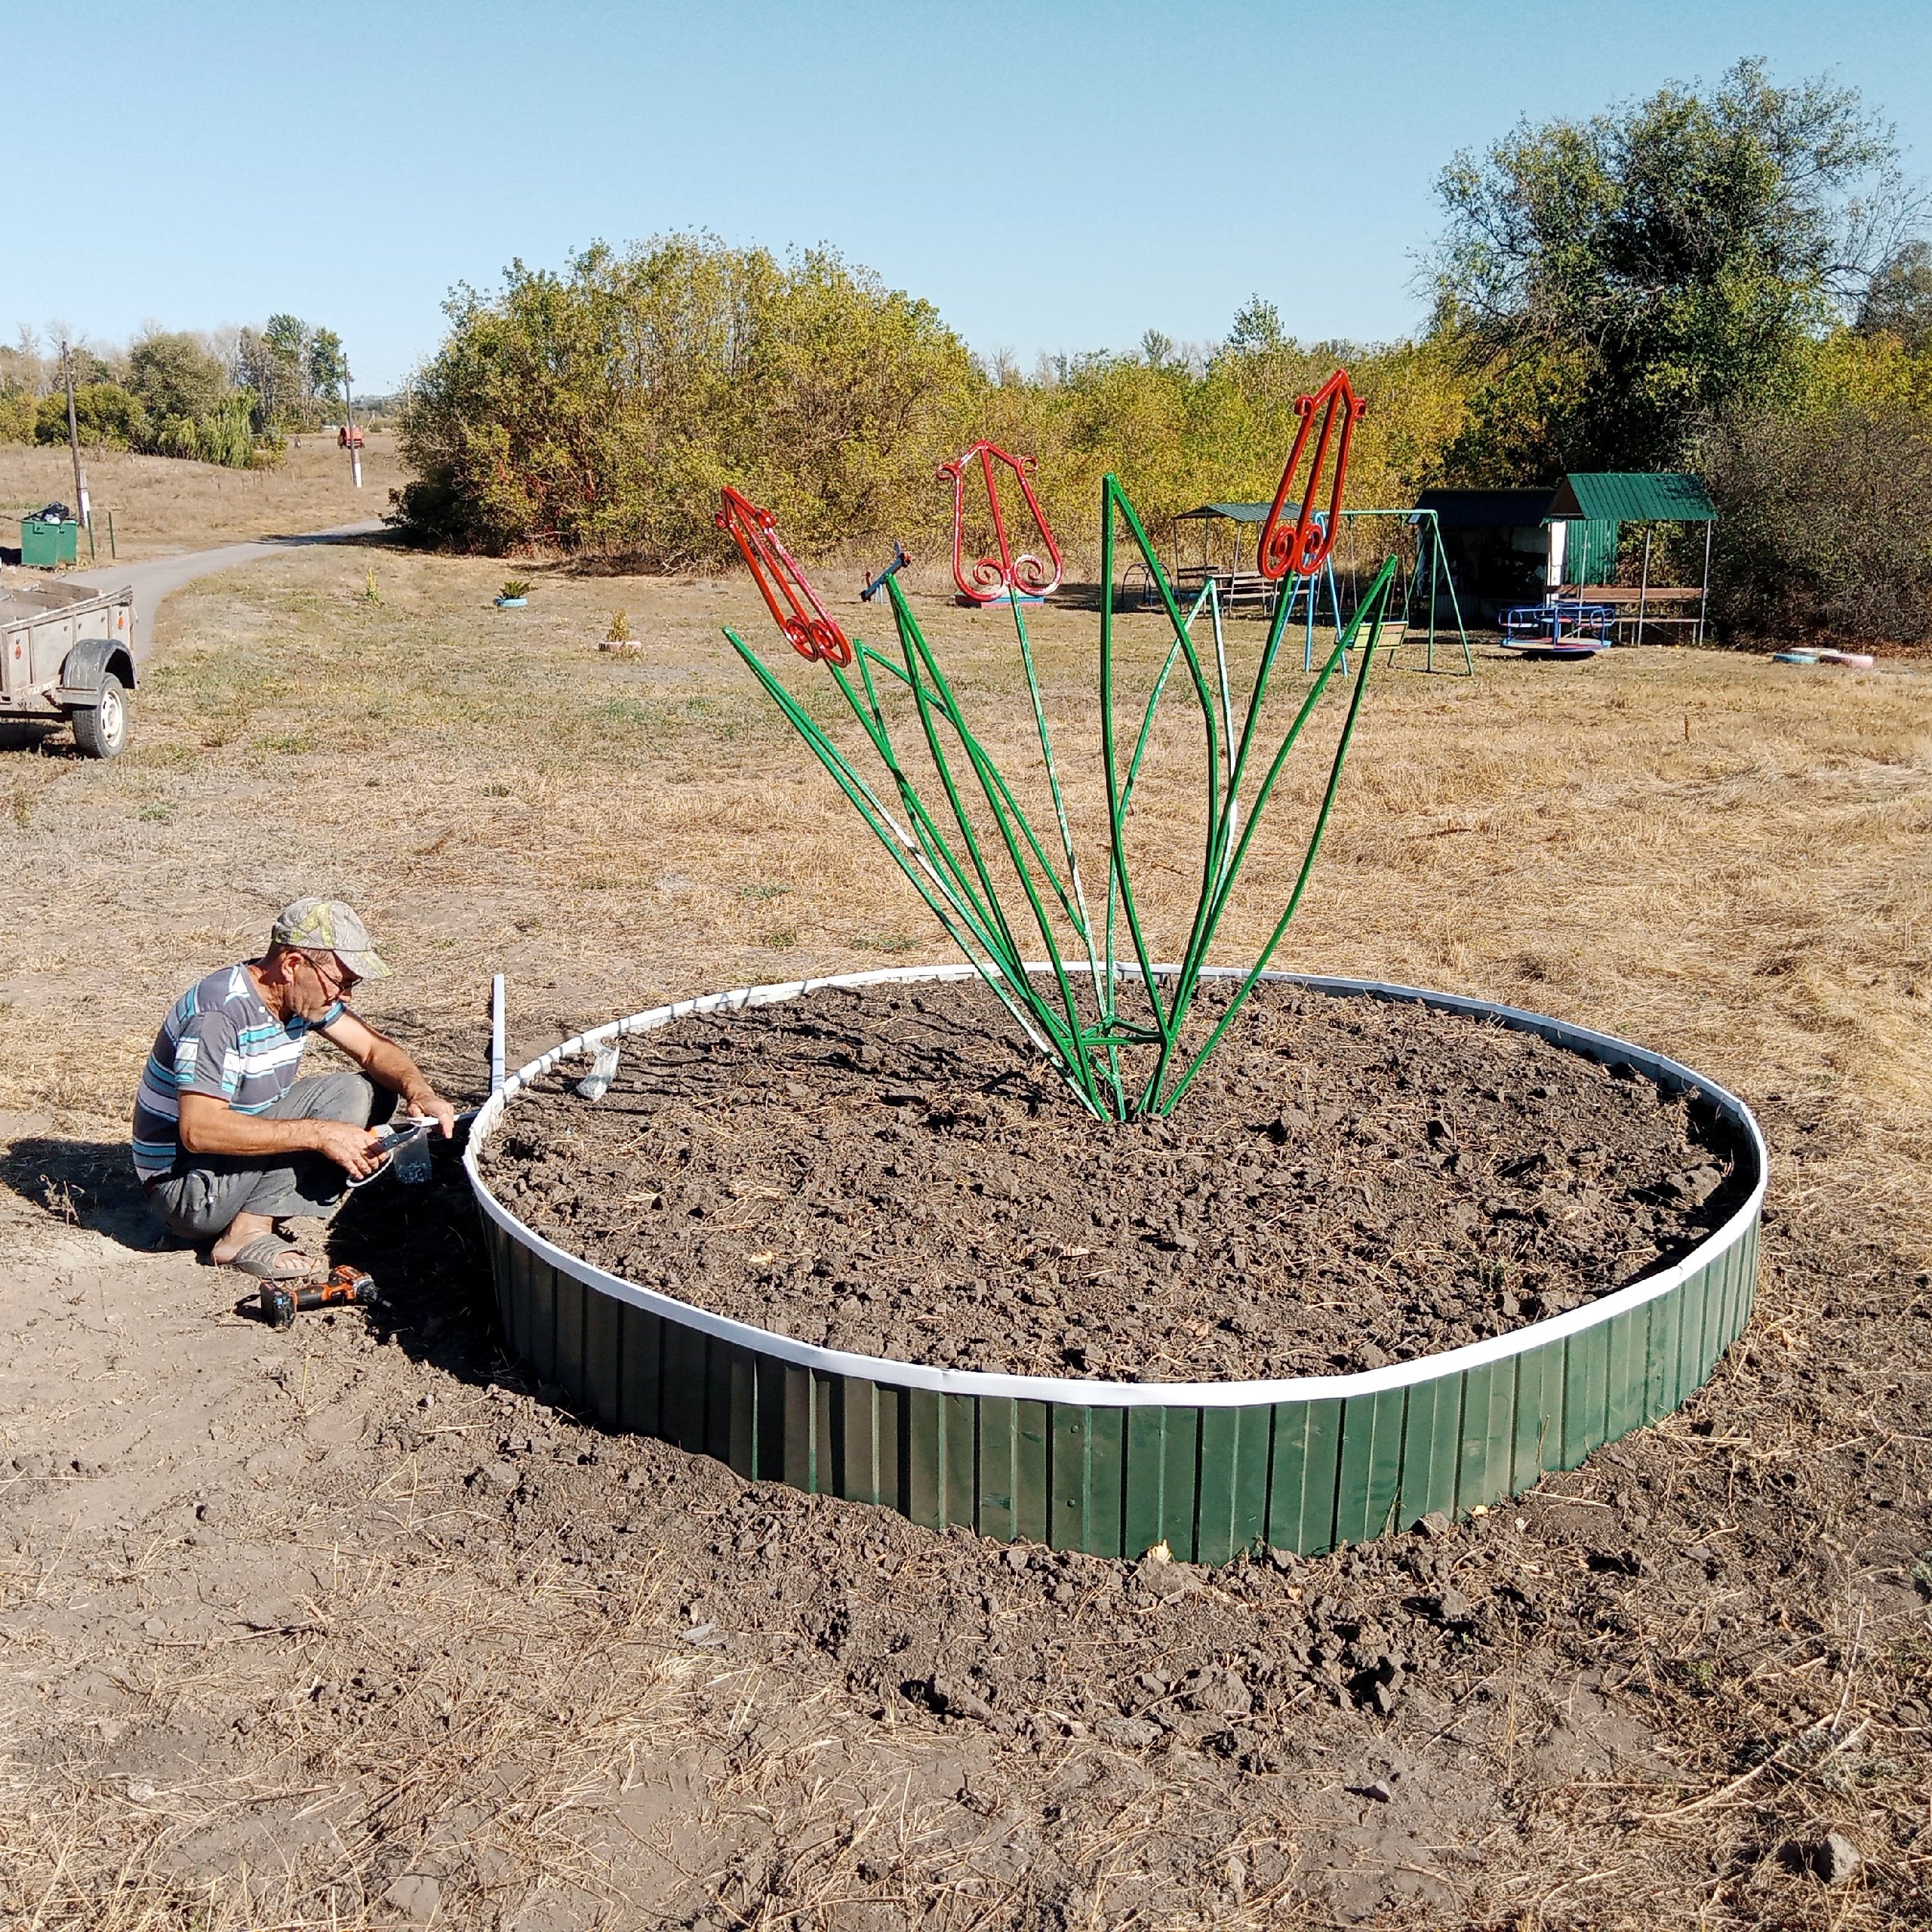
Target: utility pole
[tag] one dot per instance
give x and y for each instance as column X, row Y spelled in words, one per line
column 83, row 509
column 349, row 428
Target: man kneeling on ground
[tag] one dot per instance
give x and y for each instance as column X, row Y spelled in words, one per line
column 229, row 1144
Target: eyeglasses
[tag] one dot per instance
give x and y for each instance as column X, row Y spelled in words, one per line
column 336, row 979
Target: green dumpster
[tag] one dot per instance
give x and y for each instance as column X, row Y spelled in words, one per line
column 46, row 544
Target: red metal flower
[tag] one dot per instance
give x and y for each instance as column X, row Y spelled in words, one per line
column 808, row 626
column 1304, row 546
column 992, row 577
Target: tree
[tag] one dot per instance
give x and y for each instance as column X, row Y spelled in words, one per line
column 287, row 338
column 601, row 408
column 174, row 375
column 1617, row 279
column 328, row 365
column 1823, row 512
column 1257, row 329
column 1157, row 348
column 284, row 364
column 1899, row 299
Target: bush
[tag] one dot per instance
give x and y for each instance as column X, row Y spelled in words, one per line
column 1825, row 520
column 105, row 415
column 602, row 409
column 17, row 416
column 224, row 436
column 176, row 437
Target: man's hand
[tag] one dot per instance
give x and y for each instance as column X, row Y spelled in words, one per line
column 425, row 1103
column 353, row 1149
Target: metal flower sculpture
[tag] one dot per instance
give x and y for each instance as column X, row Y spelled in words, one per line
column 989, row 578
column 1122, row 1032
column 1303, row 547
column 808, row 626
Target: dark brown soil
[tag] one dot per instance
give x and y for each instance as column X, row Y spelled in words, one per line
column 1440, row 1714
column 401, row 1613
column 1351, row 1183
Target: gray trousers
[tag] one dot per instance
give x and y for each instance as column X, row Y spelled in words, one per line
column 199, row 1202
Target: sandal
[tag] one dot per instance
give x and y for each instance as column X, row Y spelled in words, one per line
column 267, row 1258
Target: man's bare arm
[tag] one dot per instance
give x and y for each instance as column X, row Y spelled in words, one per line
column 388, row 1065
column 211, row 1126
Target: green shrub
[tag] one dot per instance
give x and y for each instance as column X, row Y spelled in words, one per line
column 225, row 435
column 174, row 376
column 105, row 415
column 601, row 409
column 17, row 416
column 176, row 437
column 1825, row 520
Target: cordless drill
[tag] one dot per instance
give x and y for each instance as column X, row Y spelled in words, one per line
column 343, row 1287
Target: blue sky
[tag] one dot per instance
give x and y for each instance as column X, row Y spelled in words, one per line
column 1053, row 176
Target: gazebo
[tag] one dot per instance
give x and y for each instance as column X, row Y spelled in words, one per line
column 1586, row 515
column 1230, row 581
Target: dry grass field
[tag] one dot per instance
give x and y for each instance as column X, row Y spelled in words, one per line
column 267, row 1664
column 161, row 505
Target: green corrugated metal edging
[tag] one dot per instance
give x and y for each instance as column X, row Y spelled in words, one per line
column 1113, row 1477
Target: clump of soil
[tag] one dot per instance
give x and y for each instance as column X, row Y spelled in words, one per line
column 1351, row 1183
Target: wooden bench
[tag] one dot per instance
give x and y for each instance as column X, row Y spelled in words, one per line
column 1627, row 599
column 1233, row 585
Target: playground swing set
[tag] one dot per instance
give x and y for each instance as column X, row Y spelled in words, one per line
column 1225, row 586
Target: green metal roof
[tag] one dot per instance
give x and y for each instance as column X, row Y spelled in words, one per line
column 1629, row 496
column 1232, row 512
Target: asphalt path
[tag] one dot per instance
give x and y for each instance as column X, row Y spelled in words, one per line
column 152, row 579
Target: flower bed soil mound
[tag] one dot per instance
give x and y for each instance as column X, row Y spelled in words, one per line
column 891, row 1171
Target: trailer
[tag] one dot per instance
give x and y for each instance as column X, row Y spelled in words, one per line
column 68, row 651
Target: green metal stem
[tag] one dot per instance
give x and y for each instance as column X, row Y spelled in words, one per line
column 1112, row 497
column 1083, row 925
column 1074, row 912
column 1013, row 990
column 896, row 838
column 1375, row 601
column 991, row 787
column 1308, row 859
column 1226, row 863
column 1133, row 773
column 929, row 834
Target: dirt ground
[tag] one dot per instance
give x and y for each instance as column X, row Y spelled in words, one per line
column 352, row 1625
column 161, row 505
column 891, row 1172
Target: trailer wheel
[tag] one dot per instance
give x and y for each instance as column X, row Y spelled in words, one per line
column 101, row 731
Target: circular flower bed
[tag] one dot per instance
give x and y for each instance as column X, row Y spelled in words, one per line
column 1471, row 1245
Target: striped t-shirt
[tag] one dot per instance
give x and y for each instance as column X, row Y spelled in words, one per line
column 221, row 1040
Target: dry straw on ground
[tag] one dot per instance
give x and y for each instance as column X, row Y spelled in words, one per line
column 361, row 1673
column 161, row 505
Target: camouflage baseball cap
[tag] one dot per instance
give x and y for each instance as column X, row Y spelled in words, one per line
column 327, row 925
